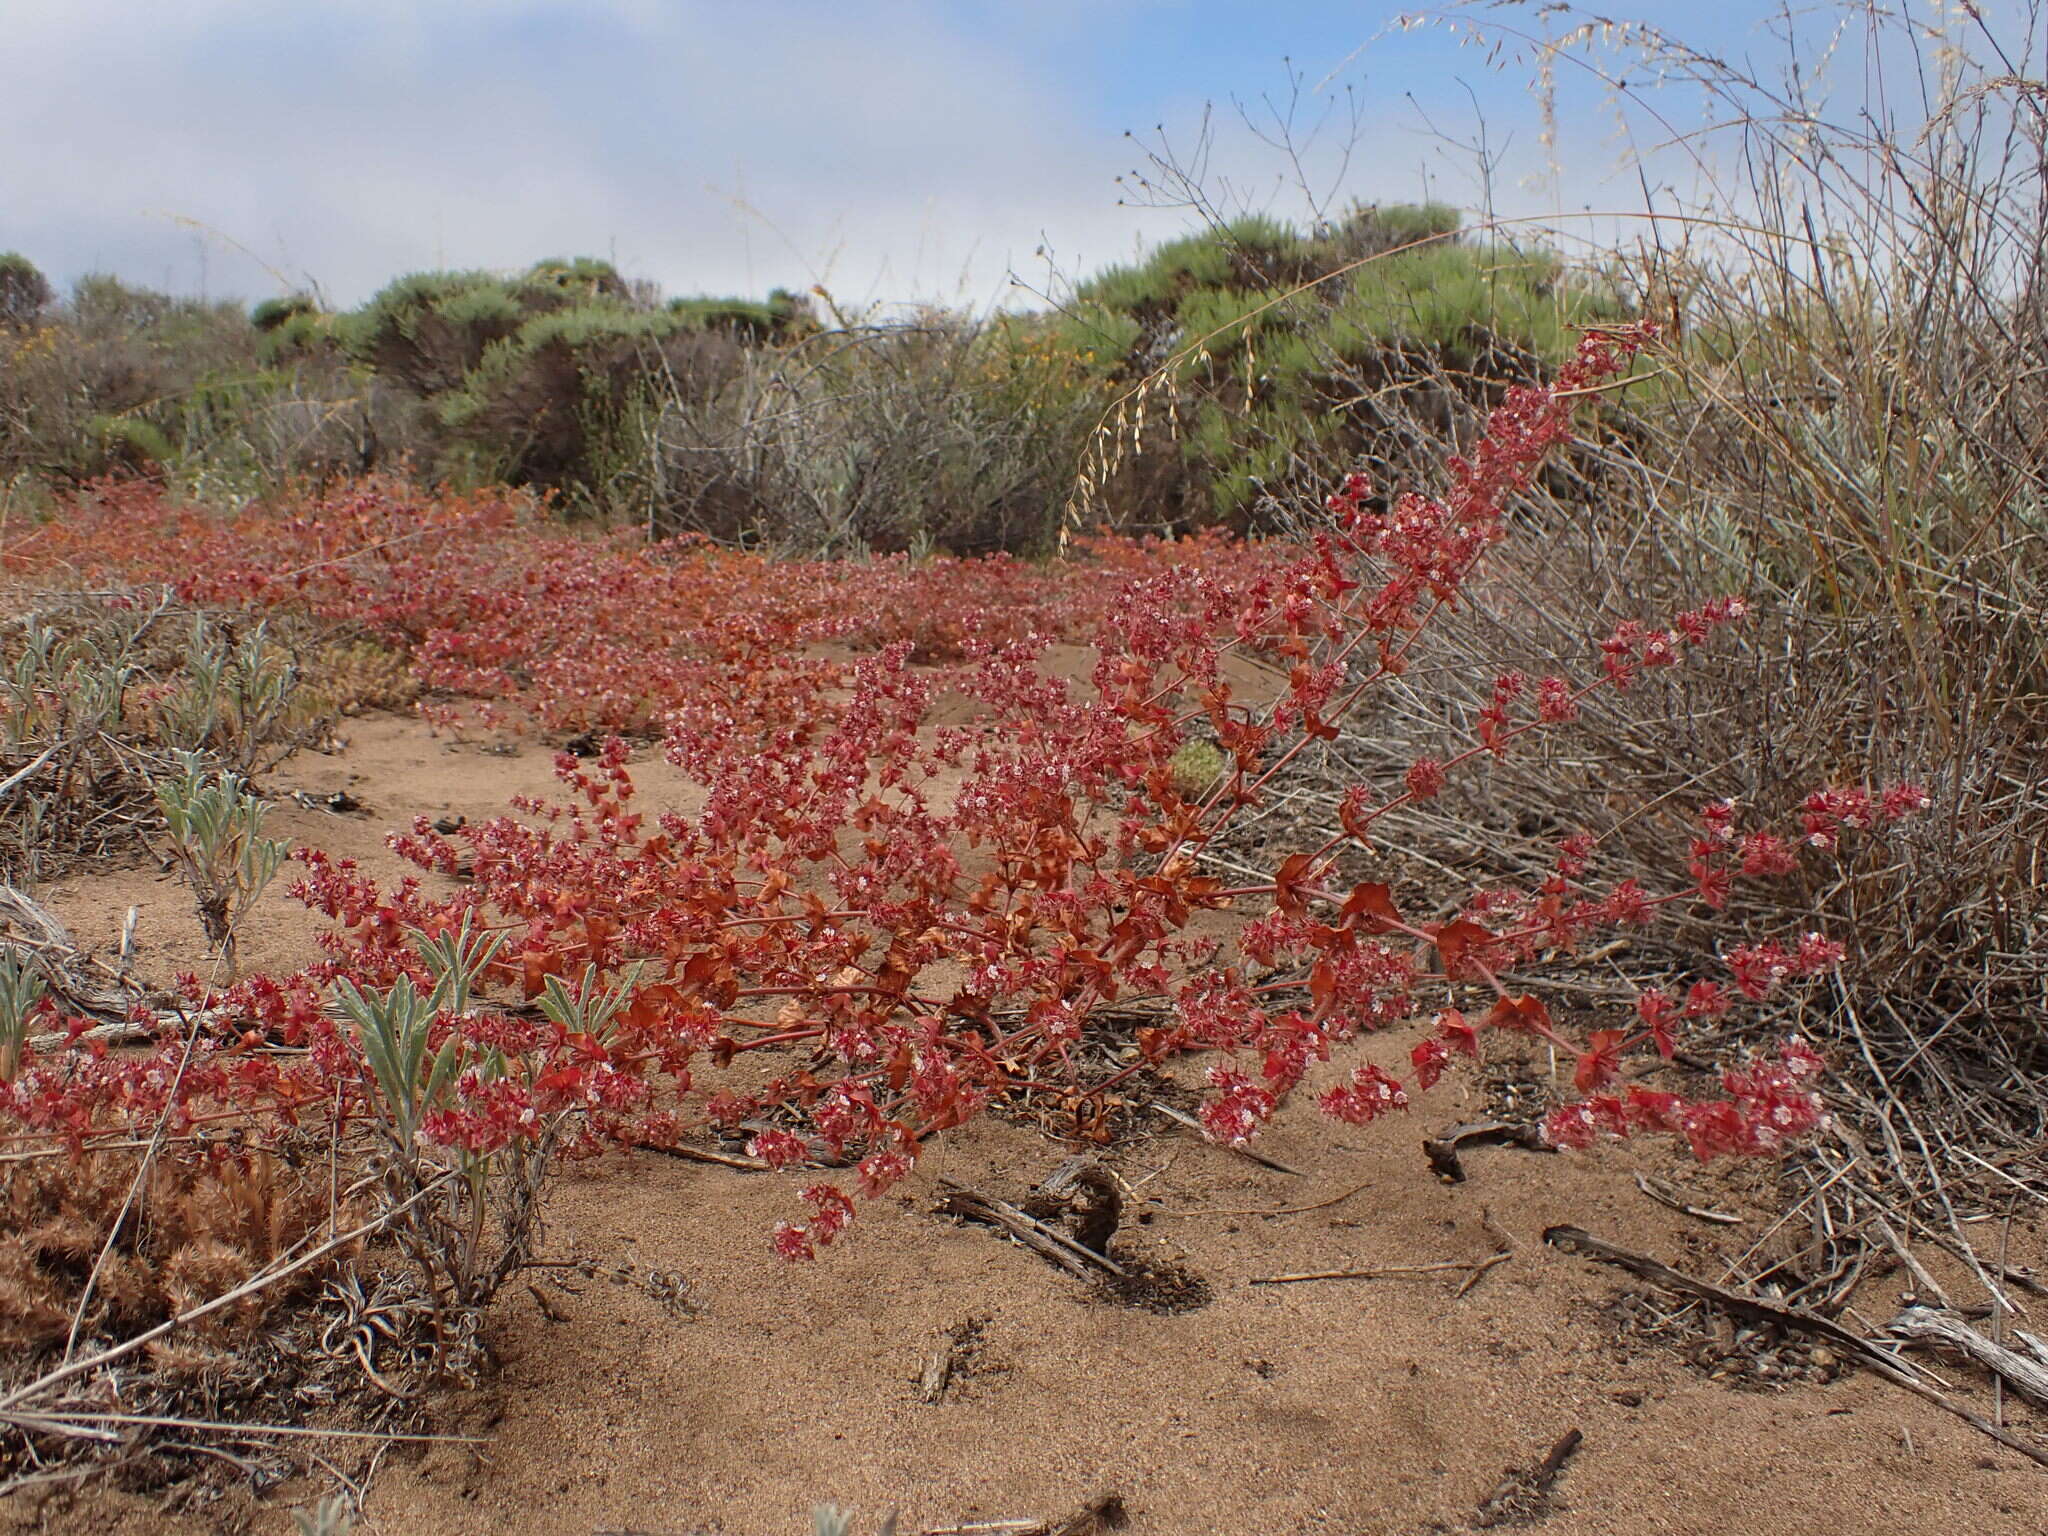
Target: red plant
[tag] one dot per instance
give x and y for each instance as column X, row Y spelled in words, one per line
column 921, row 919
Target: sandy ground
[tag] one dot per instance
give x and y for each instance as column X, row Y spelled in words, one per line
column 1349, row 1407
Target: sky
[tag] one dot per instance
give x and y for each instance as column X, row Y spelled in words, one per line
column 895, row 151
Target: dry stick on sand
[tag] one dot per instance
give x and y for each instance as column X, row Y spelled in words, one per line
column 1048, row 1242
column 83, row 983
column 7, row 786
column 1442, row 1151
column 2027, row 1377
column 1245, row 1152
column 64, row 1421
column 718, row 1159
column 1667, row 1194
column 1474, row 1270
column 1511, row 1501
column 1886, row 1364
column 1104, row 1513
column 1269, row 1210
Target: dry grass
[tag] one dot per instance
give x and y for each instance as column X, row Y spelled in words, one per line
column 205, row 1223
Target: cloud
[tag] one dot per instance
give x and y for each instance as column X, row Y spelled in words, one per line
column 895, row 149
column 883, row 148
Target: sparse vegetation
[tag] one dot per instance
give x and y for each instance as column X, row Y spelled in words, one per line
column 216, row 836
column 1598, row 697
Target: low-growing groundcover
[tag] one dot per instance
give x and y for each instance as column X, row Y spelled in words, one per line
column 928, row 873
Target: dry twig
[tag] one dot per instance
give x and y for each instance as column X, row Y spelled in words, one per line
column 1474, row 1270
column 1245, row 1152
column 1048, row 1242
column 1883, row 1361
column 2026, row 1376
column 1524, row 1493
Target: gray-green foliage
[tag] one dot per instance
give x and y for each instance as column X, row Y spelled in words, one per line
column 92, row 697
column 61, row 717
column 64, row 685
column 426, row 331
column 741, row 418
column 131, row 442
column 546, row 378
column 592, row 1007
column 393, row 1029
column 269, row 314
column 782, row 316
column 929, row 431
column 22, row 987
column 582, row 277
column 330, row 1517
column 232, row 698
column 215, row 824
column 545, row 400
column 1244, row 252
column 419, row 1059
column 120, row 380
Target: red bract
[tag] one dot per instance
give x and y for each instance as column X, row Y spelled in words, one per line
column 1239, row 1108
column 1370, row 1094
column 1770, row 1102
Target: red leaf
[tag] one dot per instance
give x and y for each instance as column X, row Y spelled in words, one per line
column 1371, row 906
column 1600, row 1061
column 1460, row 1036
column 1461, row 945
column 1525, row 1015
column 1287, row 884
column 1428, row 1059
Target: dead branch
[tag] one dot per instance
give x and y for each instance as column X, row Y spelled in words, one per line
column 1442, row 1150
column 716, row 1159
column 1101, row 1514
column 1245, row 1152
column 2025, row 1376
column 1511, row 1499
column 1474, row 1270
column 1667, row 1194
column 1888, row 1365
column 1047, row 1242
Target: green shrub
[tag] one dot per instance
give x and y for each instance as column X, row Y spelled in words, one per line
column 1456, row 298
column 580, row 278
column 102, row 302
column 427, row 331
column 554, row 404
column 1244, row 253
column 295, row 339
column 269, row 314
column 1370, row 228
column 130, row 442
column 24, row 292
column 783, row 316
column 1281, row 343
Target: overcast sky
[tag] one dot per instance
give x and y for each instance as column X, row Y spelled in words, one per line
column 890, row 150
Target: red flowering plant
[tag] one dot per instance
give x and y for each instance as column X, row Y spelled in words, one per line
column 509, row 619
column 905, row 921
